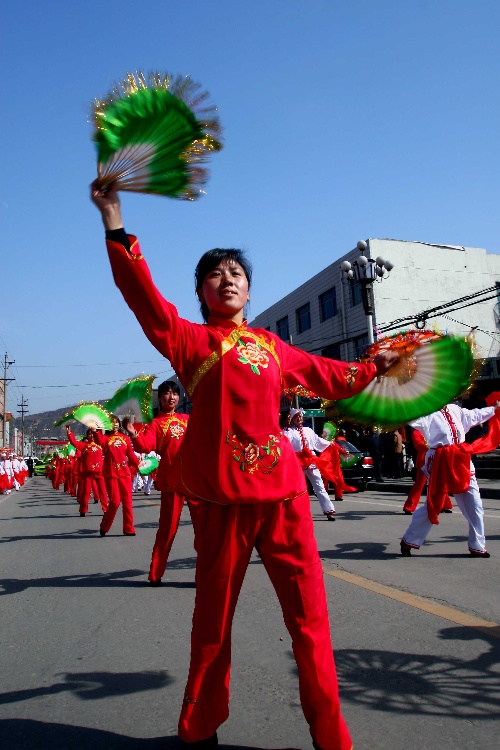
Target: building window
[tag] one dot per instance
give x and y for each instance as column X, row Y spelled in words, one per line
column 332, row 351
column 282, row 328
column 355, row 294
column 327, row 304
column 360, row 344
column 267, row 328
column 303, row 316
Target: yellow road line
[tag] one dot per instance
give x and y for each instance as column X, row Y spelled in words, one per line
column 419, row 602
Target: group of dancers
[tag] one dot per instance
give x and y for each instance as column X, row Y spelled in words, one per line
column 244, row 485
column 13, row 472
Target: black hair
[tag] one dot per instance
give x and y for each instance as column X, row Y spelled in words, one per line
column 168, row 385
column 210, row 260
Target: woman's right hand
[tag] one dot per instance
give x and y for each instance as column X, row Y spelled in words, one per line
column 108, row 203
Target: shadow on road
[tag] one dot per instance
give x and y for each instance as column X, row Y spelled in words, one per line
column 26, row 734
column 117, row 579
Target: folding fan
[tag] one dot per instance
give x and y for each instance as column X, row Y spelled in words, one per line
column 93, row 415
column 152, row 133
column 148, row 464
column 133, row 398
column 432, row 371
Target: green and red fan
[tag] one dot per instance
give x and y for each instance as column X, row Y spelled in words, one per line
column 89, row 414
column 153, row 132
column 433, row 369
column 148, row 465
column 134, row 398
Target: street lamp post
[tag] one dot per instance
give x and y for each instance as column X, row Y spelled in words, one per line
column 365, row 271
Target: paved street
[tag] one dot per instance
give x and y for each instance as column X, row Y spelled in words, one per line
column 92, row 657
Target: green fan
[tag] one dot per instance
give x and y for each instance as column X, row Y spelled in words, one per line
column 133, row 398
column 329, row 431
column 427, row 377
column 153, row 133
column 68, row 417
column 149, row 464
column 93, row 415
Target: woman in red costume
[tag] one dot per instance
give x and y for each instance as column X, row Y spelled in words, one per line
column 119, row 456
column 164, row 436
column 244, row 473
column 90, row 468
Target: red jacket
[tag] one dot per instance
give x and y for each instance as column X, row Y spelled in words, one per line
column 118, row 454
column 91, row 458
column 163, row 435
column 233, row 450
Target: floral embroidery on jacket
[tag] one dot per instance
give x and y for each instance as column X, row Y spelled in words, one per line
column 252, row 354
column 252, row 457
column 351, row 376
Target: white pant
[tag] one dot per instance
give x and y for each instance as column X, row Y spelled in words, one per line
column 472, row 508
column 148, row 481
column 318, row 486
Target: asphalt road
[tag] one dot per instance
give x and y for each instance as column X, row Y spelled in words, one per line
column 92, row 657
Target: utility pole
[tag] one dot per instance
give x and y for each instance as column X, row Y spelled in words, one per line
column 22, row 411
column 6, row 380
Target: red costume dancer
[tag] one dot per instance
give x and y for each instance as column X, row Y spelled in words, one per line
column 56, row 476
column 250, row 486
column 118, row 457
column 164, row 436
column 418, row 485
column 90, row 468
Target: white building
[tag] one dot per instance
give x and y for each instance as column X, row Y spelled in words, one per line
column 325, row 315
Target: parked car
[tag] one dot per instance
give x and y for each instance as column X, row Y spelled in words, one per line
column 357, row 467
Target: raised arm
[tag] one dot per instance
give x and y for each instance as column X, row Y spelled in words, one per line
column 158, row 318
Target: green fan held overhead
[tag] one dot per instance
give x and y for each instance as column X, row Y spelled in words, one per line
column 134, row 398
column 153, row 133
column 93, row 415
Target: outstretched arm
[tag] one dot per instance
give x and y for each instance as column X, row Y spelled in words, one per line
column 108, row 203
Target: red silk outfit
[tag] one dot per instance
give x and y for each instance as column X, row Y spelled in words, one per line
column 164, row 436
column 90, row 472
column 418, row 485
column 251, row 491
column 118, row 457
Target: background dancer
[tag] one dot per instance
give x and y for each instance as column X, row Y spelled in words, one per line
column 119, row 456
column 449, row 469
column 164, row 435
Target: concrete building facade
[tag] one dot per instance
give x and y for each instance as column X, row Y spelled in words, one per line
column 325, row 315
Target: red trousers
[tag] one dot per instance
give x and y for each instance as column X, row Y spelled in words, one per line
column 86, row 483
column 100, row 492
column 415, row 493
column 283, row 535
column 119, row 491
column 170, row 513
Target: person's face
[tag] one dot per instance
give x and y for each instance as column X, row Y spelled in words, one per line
column 168, row 401
column 298, row 420
column 225, row 291
column 116, row 425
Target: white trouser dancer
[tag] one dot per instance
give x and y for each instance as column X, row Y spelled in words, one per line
column 471, row 507
column 314, row 476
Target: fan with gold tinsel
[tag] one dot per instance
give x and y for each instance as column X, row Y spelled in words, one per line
column 153, row 133
column 432, row 371
column 134, row 398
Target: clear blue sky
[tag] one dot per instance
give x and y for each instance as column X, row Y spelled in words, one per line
column 343, row 119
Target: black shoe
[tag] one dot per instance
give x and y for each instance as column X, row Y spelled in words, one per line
column 405, row 549
column 82, row 515
column 339, row 499
column 102, row 533
column 96, row 501
column 158, row 582
column 475, row 553
column 407, row 512
column 447, row 510
column 330, row 516
column 129, row 533
column 209, row 744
